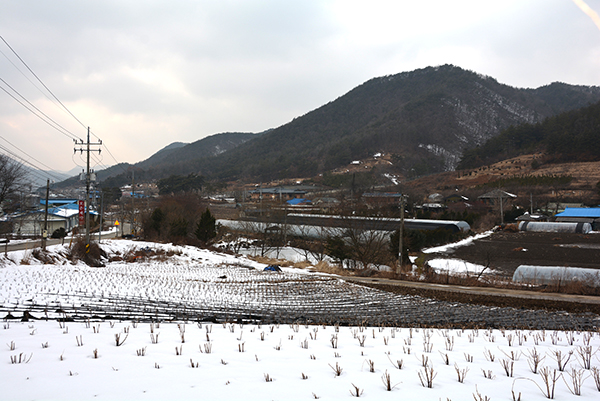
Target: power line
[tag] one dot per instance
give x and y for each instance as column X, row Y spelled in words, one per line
column 27, row 78
column 62, row 130
column 25, row 153
column 37, row 172
column 40, row 81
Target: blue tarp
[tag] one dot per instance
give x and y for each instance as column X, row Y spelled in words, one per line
column 298, row 201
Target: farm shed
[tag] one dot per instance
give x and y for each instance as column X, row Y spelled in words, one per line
column 589, row 215
column 554, row 227
column 493, row 197
column 551, row 274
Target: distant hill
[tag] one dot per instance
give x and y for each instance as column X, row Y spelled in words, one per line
column 175, row 158
column 572, row 136
column 425, row 118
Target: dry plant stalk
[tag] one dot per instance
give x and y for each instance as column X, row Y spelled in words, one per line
column 596, row 376
column 584, row 355
column 478, row 397
column 398, row 364
column 426, row 377
column 356, row 392
column 534, row 360
column 445, row 358
column 549, row 377
column 461, row 373
column 560, row 359
column 577, row 379
column 387, row 381
column 21, row 358
column 508, row 366
column 118, row 340
column 337, row 370
column 268, row 378
column 488, row 374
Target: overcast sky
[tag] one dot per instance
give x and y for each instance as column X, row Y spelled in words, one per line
column 144, row 74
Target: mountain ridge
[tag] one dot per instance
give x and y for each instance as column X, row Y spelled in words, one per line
column 425, row 118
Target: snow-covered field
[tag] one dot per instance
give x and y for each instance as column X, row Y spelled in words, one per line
column 183, row 359
column 79, row 361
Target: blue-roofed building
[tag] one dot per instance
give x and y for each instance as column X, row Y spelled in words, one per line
column 581, row 215
column 65, row 216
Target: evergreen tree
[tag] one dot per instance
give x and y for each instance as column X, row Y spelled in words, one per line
column 206, row 228
column 337, row 248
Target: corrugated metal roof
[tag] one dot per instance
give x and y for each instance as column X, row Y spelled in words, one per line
column 591, row 212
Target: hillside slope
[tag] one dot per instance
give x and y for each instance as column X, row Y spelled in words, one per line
column 572, row 136
column 424, row 117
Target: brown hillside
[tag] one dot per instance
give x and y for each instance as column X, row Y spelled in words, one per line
column 583, row 185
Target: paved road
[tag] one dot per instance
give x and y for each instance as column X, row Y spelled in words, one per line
column 51, row 241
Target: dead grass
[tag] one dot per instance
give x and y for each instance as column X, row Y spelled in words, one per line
column 90, row 255
column 324, row 267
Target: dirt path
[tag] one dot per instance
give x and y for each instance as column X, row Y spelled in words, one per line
column 487, row 296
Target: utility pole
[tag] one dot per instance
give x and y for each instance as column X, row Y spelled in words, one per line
column 401, row 233
column 45, row 232
column 101, row 216
column 85, row 147
column 133, row 203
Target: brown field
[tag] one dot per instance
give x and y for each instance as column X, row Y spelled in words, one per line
column 585, row 176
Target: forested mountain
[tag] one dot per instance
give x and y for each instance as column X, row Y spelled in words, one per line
column 425, row 118
column 568, row 137
column 170, row 160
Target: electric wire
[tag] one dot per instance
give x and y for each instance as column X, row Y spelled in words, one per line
column 38, row 172
column 40, row 81
column 28, row 155
column 27, row 78
column 62, row 129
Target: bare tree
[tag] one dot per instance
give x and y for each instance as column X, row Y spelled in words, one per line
column 12, row 177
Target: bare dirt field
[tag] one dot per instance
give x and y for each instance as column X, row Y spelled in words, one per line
column 505, row 251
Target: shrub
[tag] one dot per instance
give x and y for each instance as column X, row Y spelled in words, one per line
column 90, row 255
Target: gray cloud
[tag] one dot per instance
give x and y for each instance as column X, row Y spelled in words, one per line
column 143, row 74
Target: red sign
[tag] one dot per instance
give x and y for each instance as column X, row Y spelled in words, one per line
column 82, row 213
